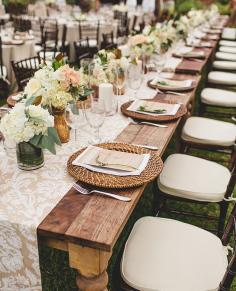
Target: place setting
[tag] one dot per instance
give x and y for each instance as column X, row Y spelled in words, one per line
column 189, row 53
column 114, row 165
column 153, row 111
column 165, row 85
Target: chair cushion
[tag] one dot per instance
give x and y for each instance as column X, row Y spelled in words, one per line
column 225, row 56
column 209, row 131
column 224, row 65
column 38, row 48
column 168, row 255
column 218, row 97
column 228, row 43
column 222, row 78
column 194, row 178
column 227, row 49
column 229, row 33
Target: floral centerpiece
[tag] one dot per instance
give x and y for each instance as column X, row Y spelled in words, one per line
column 141, row 44
column 54, row 87
column 105, row 64
column 31, row 128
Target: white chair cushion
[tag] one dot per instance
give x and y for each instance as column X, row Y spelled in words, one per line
column 222, row 78
column 218, row 97
column 227, row 49
column 194, row 178
column 209, row 131
column 228, row 43
column 92, row 42
column 168, row 255
column 224, row 65
column 229, row 33
column 225, row 56
column 48, row 55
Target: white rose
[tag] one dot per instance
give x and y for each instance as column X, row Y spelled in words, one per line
column 32, row 87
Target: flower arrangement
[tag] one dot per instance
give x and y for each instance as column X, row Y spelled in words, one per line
column 55, row 86
column 143, row 43
column 105, row 63
column 32, row 124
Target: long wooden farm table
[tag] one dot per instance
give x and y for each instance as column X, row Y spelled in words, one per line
column 87, row 227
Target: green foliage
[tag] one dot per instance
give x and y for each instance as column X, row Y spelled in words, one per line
column 47, row 141
column 183, row 6
column 18, row 2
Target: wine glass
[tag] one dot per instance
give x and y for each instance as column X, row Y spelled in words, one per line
column 95, row 116
column 159, row 60
column 134, row 78
column 75, row 118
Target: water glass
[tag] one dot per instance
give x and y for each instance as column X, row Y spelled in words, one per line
column 95, row 116
column 134, row 78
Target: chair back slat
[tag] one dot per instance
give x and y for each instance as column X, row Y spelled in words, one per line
column 24, row 70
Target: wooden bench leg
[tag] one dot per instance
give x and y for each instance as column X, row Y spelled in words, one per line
column 91, row 265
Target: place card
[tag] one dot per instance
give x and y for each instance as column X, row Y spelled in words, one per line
column 174, row 84
column 112, row 162
column 154, row 108
column 191, row 54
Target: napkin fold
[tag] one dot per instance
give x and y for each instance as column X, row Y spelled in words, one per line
column 174, row 84
column 148, row 106
column 112, row 162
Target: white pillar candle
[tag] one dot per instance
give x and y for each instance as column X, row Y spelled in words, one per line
column 106, row 96
column 140, row 65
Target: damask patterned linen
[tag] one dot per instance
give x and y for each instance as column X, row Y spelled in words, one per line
column 27, row 197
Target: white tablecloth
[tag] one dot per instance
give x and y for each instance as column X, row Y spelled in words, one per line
column 27, row 197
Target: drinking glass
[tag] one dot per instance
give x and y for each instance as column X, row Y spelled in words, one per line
column 134, row 78
column 159, row 61
column 75, row 119
column 95, row 116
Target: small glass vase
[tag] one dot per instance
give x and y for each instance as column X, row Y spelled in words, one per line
column 61, row 125
column 29, row 157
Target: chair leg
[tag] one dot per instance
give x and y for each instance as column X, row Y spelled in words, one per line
column 202, row 109
column 184, row 148
column 223, row 212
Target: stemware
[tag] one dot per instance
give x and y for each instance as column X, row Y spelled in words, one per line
column 95, row 116
column 75, row 119
column 134, row 78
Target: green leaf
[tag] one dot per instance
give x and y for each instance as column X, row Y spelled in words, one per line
column 36, row 140
column 53, row 134
column 48, row 143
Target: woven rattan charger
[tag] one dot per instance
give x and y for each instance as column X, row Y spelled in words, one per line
column 136, row 115
column 152, row 170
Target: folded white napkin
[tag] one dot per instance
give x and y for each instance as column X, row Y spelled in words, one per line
column 87, row 158
column 171, row 109
column 171, row 83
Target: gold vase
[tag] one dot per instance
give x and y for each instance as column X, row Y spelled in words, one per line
column 60, row 124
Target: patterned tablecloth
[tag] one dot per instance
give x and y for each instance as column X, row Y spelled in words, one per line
column 27, row 197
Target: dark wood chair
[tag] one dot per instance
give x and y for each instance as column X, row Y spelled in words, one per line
column 4, row 83
column 164, row 253
column 92, row 33
column 194, row 180
column 64, row 46
column 123, row 23
column 21, row 23
column 108, row 41
column 49, row 45
column 82, row 50
column 24, row 70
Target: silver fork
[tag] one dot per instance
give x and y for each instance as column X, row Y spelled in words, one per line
column 86, row 191
column 176, row 93
column 146, row 123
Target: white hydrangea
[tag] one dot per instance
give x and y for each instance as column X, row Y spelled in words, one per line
column 23, row 123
